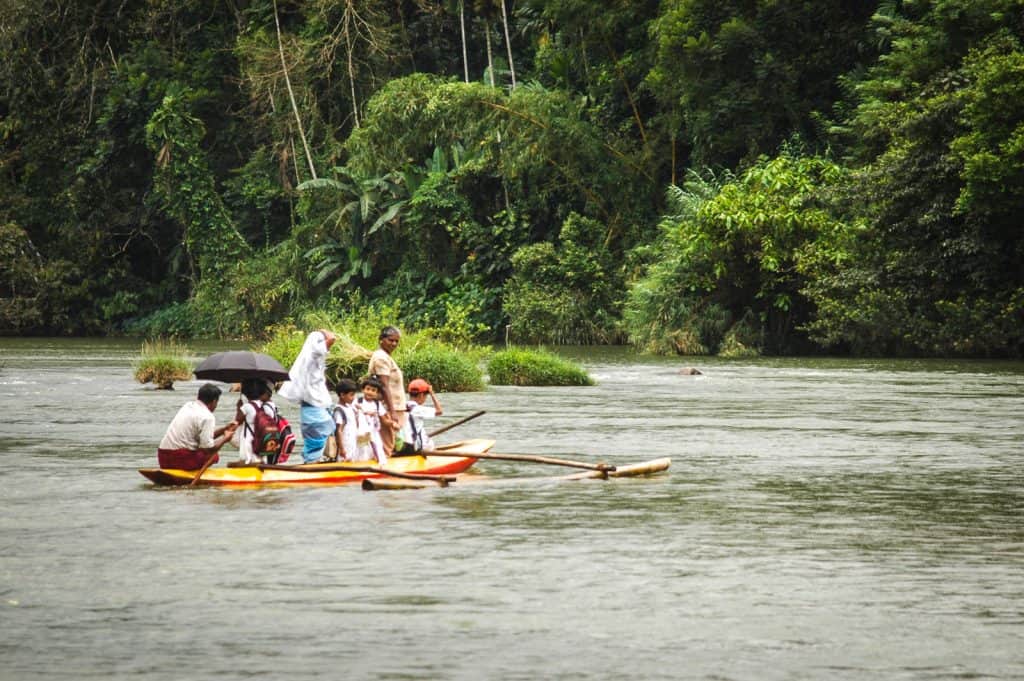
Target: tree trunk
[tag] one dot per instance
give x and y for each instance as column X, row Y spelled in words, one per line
column 490, row 56
column 291, row 94
column 462, row 27
column 490, row 69
column 508, row 44
column 351, row 69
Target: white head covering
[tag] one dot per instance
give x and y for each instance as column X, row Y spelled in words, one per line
column 308, row 381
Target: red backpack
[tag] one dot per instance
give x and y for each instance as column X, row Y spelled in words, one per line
column 271, row 432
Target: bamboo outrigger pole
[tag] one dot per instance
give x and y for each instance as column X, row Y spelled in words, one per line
column 604, row 467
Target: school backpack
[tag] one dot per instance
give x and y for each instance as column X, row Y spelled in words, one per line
column 272, row 434
column 287, row 440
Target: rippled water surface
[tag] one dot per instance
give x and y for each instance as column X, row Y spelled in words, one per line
column 822, row 519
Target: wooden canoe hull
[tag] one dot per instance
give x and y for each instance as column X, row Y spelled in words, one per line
column 325, row 474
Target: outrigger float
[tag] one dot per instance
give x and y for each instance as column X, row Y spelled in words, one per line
column 439, row 467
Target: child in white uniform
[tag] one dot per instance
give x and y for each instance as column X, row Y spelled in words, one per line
column 258, row 392
column 415, row 437
column 371, row 413
column 347, row 420
column 245, row 413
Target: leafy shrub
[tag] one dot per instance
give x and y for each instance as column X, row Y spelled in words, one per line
column 163, row 362
column 173, row 320
column 661, row 324
column 566, row 294
column 744, row 339
column 445, row 368
column 518, row 366
column 740, row 246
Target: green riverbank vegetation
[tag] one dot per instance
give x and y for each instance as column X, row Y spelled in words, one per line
column 687, row 176
column 525, row 366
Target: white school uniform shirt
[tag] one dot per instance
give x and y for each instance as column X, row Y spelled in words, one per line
column 369, row 446
column 347, row 419
column 418, row 412
column 243, row 437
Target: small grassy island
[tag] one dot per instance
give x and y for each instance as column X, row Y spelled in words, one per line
column 162, row 362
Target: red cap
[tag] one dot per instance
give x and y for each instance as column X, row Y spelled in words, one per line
column 418, row 385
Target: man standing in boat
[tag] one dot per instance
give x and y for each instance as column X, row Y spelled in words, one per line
column 387, row 371
column 192, row 438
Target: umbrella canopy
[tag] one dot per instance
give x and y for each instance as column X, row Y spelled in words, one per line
column 237, row 365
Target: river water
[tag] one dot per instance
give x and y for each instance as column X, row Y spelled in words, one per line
column 822, row 519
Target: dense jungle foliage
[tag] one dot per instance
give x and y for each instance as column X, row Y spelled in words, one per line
column 691, row 176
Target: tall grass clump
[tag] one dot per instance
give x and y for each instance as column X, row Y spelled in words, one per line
column 162, row 362
column 519, row 366
column 445, row 368
column 347, row 358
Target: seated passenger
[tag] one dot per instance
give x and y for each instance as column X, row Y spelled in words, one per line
column 415, row 438
column 191, row 438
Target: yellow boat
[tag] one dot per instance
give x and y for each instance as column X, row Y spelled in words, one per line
column 329, row 473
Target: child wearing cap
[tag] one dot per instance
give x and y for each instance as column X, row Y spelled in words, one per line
column 414, row 436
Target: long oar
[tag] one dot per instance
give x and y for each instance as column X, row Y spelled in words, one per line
column 527, row 457
column 443, row 479
column 456, row 423
column 209, row 462
column 645, row 468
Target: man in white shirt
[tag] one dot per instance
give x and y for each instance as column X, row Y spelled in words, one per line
column 192, row 438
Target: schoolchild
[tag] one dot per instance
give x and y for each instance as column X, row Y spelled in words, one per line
column 372, row 413
column 245, row 414
column 346, row 422
column 276, row 445
column 415, row 437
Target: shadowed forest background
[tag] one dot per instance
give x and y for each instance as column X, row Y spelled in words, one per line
column 689, row 176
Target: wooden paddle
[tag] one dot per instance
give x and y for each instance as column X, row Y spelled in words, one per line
column 445, row 429
column 604, row 467
column 209, row 462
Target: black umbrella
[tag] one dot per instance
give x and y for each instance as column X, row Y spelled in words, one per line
column 237, row 365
